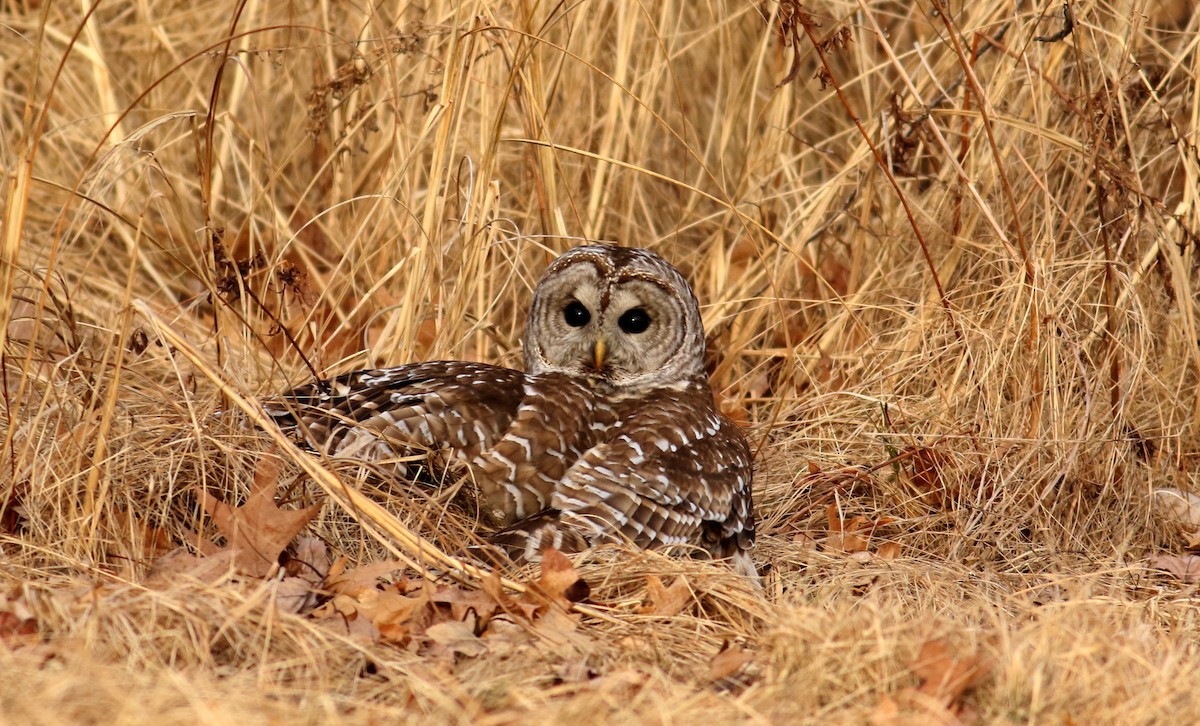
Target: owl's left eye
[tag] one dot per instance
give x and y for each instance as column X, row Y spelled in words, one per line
column 576, row 314
column 634, row 321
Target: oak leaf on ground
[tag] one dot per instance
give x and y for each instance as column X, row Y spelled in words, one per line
column 727, row 663
column 256, row 533
column 1181, row 507
column 18, row 624
column 666, row 600
column 1185, row 567
column 259, row 530
column 553, row 596
column 853, row 536
column 944, row 674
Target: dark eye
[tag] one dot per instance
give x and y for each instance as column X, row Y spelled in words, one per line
column 576, row 314
column 634, row 320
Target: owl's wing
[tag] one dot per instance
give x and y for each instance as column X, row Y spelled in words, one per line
column 379, row 414
column 665, row 489
column 516, row 433
column 670, row 473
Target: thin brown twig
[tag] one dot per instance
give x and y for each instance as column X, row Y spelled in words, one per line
column 827, row 74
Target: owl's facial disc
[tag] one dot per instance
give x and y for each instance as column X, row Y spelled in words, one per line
column 624, row 318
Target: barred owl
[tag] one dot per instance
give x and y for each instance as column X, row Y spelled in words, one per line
column 610, row 433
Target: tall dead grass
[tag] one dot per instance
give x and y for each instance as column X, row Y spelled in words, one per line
column 949, row 273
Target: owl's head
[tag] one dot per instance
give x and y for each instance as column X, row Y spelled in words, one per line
column 619, row 316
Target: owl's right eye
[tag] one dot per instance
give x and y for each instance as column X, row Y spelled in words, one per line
column 576, row 314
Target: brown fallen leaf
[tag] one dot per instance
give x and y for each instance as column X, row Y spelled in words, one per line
column 294, row 595
column 310, row 562
column 154, row 541
column 926, row 469
column 806, row 541
column 177, row 563
column 410, row 612
column 727, row 663
column 843, row 535
column 259, row 530
column 1185, row 567
column 492, row 586
column 559, row 628
column 18, row 624
column 340, row 614
column 559, row 581
column 558, row 588
column 397, row 614
column 887, row 713
column 852, row 536
column 944, row 675
column 448, row 620
column 357, row 579
column 305, row 571
column 889, row 550
column 1183, row 508
column 455, row 637
column 664, row 600
column 945, row 678
column 460, row 603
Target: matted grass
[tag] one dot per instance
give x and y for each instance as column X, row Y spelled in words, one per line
column 949, row 272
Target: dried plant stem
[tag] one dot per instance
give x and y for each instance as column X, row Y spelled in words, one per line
column 883, row 166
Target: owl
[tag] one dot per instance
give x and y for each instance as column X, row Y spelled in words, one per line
column 609, row 434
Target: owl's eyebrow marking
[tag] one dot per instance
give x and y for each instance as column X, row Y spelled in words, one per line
column 642, row 276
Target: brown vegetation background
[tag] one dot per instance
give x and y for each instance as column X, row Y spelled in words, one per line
column 947, row 255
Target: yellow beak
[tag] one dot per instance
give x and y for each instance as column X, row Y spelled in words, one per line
column 598, row 353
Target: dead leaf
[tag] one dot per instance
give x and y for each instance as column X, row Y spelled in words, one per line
column 559, row 587
column 726, row 663
column 944, row 675
column 391, row 610
column 155, row 542
column 310, row 563
column 495, row 590
column 926, row 468
column 559, row 627
column 666, row 601
column 1181, row 507
column 259, row 530
column 805, row 540
column 886, row 713
column 363, row 577
column 889, row 550
column 456, row 637
column 340, row 614
column 843, row 536
column 177, row 563
column 853, row 535
column 461, row 603
column 18, row 624
column 451, row 620
column 1185, row 567
column 405, row 611
column 559, row 581
column 294, row 595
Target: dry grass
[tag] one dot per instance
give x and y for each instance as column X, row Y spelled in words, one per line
column 970, row 320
